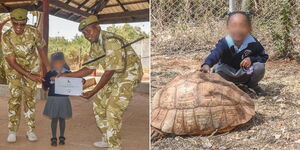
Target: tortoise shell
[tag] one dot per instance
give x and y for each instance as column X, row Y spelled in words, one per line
column 200, row 104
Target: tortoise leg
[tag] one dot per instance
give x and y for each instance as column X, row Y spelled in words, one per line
column 228, row 129
column 156, row 134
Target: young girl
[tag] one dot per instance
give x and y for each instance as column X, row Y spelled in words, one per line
column 58, row 107
column 239, row 57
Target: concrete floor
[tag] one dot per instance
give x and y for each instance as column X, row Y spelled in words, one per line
column 81, row 130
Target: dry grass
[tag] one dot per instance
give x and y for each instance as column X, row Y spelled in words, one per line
column 276, row 124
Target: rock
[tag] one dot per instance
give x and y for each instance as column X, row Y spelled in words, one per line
column 274, row 97
column 297, row 141
column 177, row 138
column 206, row 143
column 264, row 132
column 282, row 105
column 277, row 136
column 280, row 100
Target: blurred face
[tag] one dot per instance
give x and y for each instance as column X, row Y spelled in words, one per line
column 58, row 64
column 238, row 27
column 92, row 32
column 19, row 26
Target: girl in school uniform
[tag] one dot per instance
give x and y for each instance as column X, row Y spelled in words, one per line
column 58, row 107
column 239, row 57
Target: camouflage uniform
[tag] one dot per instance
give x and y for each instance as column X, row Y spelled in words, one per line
column 2, row 72
column 113, row 99
column 23, row 47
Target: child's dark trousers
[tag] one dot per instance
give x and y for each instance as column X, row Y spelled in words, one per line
column 240, row 76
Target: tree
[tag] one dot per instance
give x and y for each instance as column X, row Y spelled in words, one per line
column 129, row 32
column 77, row 50
column 282, row 38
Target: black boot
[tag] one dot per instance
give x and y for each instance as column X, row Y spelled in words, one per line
column 259, row 91
column 62, row 140
column 53, row 141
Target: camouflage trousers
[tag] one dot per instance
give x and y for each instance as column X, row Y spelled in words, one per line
column 108, row 106
column 2, row 70
column 21, row 88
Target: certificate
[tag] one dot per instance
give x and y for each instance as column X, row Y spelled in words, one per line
column 68, row 86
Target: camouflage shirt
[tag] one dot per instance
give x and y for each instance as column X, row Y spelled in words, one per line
column 23, row 47
column 125, row 62
column 2, row 72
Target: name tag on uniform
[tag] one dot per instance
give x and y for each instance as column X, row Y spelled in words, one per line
column 68, row 86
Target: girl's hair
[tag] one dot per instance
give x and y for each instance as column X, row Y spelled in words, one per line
column 246, row 14
column 59, row 56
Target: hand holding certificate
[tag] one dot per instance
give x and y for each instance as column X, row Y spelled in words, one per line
column 68, row 86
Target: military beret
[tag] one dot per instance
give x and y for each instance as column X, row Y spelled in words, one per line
column 87, row 21
column 19, row 14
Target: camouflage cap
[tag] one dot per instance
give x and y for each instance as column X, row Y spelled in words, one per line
column 19, row 14
column 87, row 21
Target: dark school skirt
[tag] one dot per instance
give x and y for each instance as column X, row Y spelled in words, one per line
column 58, row 107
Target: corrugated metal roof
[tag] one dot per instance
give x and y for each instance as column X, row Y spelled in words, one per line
column 109, row 11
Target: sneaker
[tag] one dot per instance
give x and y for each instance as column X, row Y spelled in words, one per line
column 12, row 137
column 259, row 91
column 116, row 148
column 101, row 144
column 53, row 141
column 31, row 136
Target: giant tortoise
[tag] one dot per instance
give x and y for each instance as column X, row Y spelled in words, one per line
column 199, row 104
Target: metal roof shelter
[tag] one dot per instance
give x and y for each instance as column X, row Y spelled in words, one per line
column 108, row 11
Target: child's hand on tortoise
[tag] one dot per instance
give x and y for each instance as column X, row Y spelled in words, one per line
column 246, row 62
column 205, row 69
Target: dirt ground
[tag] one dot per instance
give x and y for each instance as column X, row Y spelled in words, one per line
column 81, row 130
column 276, row 124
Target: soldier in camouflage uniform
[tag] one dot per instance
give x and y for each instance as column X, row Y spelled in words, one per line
column 123, row 71
column 20, row 45
column 2, row 71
